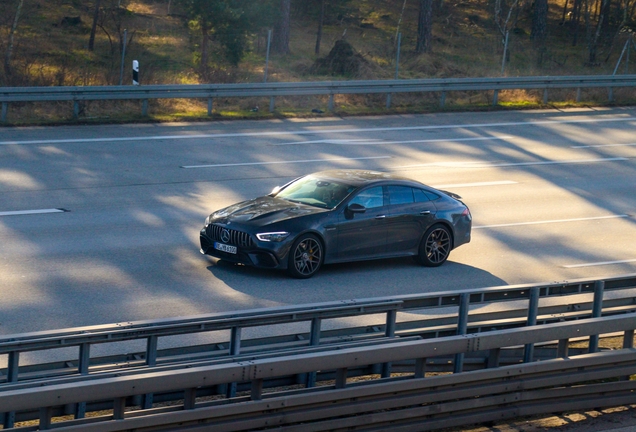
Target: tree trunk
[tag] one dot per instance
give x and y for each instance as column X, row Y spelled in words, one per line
column 565, row 9
column 539, row 23
column 205, row 35
column 593, row 39
column 14, row 29
column 91, row 40
column 424, row 26
column 576, row 18
column 320, row 22
column 281, row 30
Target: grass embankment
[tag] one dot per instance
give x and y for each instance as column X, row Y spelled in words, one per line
column 466, row 44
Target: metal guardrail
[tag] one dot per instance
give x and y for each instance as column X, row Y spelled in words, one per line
column 457, row 320
column 273, row 89
column 493, row 393
column 314, row 316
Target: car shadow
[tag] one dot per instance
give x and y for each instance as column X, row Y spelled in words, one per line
column 355, row 280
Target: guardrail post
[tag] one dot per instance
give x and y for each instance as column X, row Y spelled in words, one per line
column 610, row 94
column 442, row 100
column 189, row 398
column 82, row 368
column 271, row 104
column 495, row 98
column 5, row 109
column 151, row 360
column 578, row 95
column 562, row 348
column 341, row 378
column 235, row 349
column 331, row 102
column 45, row 418
column 76, row 109
column 533, row 310
column 12, row 376
column 628, row 343
column 388, row 101
column 256, row 392
column 391, row 317
column 628, row 339
column 144, row 108
column 314, row 340
column 545, row 96
column 420, row 368
column 210, row 106
column 494, row 355
column 119, row 408
column 462, row 328
column 597, row 310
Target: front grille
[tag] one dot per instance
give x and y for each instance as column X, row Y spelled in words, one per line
column 237, row 238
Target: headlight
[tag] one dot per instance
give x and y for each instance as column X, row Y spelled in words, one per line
column 273, row 236
column 207, row 222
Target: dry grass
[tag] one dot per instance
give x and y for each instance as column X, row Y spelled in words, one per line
column 465, row 44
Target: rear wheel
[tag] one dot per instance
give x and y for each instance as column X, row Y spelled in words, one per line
column 305, row 257
column 435, row 246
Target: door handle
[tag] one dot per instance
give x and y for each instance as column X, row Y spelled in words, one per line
column 380, row 216
column 425, row 212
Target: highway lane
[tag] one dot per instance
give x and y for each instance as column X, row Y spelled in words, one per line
column 552, row 195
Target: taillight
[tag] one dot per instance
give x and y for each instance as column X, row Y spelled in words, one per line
column 466, row 213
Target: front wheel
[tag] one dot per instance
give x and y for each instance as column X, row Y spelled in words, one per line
column 305, row 257
column 435, row 246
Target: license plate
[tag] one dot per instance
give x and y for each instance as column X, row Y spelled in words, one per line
column 225, row 248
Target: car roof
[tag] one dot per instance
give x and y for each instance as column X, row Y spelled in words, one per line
column 359, row 178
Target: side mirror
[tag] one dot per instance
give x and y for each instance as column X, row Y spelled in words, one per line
column 356, row 208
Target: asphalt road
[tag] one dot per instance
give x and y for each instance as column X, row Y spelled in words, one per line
column 552, row 193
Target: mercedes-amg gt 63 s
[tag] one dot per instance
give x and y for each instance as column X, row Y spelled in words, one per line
column 338, row 216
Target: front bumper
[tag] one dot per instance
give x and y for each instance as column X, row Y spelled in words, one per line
column 248, row 252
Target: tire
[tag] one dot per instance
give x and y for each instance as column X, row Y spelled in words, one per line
column 305, row 257
column 435, row 246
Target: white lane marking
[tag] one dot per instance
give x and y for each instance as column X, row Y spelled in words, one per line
column 333, row 141
column 478, row 184
column 380, row 142
column 29, row 212
column 477, row 164
column 599, row 263
column 283, row 162
column 551, row 221
column 603, row 145
column 316, row 132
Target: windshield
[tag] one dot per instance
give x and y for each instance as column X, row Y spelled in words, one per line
column 316, row 192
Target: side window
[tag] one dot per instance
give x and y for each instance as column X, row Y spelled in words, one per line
column 420, row 195
column 400, row 195
column 370, row 198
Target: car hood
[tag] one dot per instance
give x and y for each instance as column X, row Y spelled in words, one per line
column 263, row 211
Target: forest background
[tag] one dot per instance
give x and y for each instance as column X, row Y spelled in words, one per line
column 94, row 42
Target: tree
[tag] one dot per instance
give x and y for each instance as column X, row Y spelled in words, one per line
column 10, row 45
column 504, row 25
column 91, row 39
column 575, row 20
column 540, row 27
column 111, row 22
column 321, row 20
column 424, row 26
column 593, row 35
column 281, row 30
column 227, row 22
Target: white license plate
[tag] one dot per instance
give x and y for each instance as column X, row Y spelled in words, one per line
column 225, row 248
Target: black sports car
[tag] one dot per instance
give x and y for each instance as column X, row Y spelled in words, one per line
column 337, row 216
